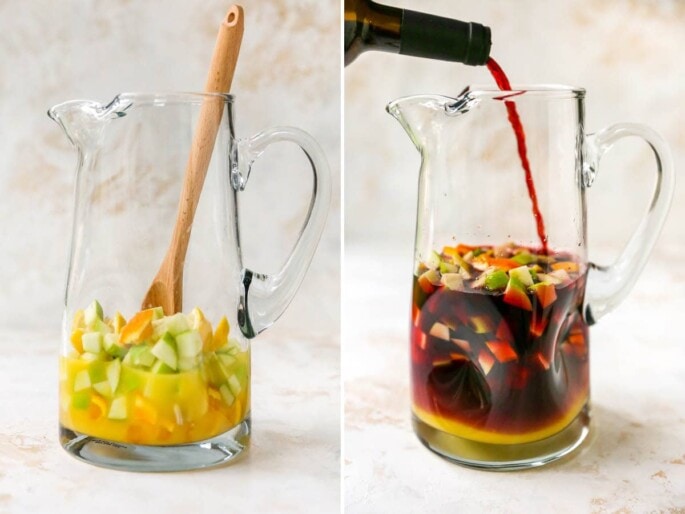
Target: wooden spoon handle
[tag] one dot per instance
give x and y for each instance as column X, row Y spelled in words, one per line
column 166, row 289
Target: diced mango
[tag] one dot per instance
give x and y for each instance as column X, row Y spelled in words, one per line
column 76, row 340
column 220, row 334
column 118, row 323
column 203, row 326
column 78, row 320
column 138, row 328
column 97, row 407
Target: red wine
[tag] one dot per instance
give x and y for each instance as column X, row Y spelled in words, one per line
column 515, row 121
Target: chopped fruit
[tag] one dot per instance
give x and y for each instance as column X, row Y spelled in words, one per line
column 157, row 313
column 220, row 334
column 97, row 371
column 524, row 258
column 93, row 313
column 433, row 261
column 501, row 263
column 138, row 329
column 234, row 384
column 118, row 322
column 81, row 381
column 502, row 351
column 481, row 324
column 189, row 343
column 568, row 266
column 165, row 351
column 429, row 280
column 203, row 326
column 486, row 361
column 515, row 294
column 144, row 411
column 140, row 355
column 452, row 281
column 550, row 279
column 496, row 280
column 446, row 267
column 80, row 400
column 545, row 292
column 522, row 274
column 538, row 324
column 440, row 331
column 97, row 407
column 77, row 339
column 104, row 389
column 92, row 342
column 187, row 363
column 562, row 275
column 160, row 368
column 227, row 395
column 117, row 409
column 112, row 346
column 114, row 374
column 78, row 320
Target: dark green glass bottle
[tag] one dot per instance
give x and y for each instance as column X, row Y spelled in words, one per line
column 372, row 26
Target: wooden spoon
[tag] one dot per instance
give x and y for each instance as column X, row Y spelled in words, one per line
column 166, row 290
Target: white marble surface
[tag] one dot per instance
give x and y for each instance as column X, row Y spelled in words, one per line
column 635, row 458
column 293, row 465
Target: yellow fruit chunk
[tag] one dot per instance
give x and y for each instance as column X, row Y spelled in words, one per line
column 76, row 340
column 78, row 319
column 97, row 407
column 220, row 334
column 568, row 266
column 138, row 328
column 118, row 323
column 203, row 326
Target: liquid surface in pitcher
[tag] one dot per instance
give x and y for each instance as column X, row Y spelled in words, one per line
column 154, row 379
column 499, row 344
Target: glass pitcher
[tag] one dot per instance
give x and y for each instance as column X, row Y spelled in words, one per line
column 139, row 388
column 500, row 314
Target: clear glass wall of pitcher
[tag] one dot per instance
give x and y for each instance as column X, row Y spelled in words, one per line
column 138, row 389
column 500, row 315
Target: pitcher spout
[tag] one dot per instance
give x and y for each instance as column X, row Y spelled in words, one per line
column 83, row 120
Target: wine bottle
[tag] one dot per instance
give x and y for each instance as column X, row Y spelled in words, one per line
column 373, row 26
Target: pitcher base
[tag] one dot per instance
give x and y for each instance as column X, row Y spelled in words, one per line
column 505, row 457
column 131, row 457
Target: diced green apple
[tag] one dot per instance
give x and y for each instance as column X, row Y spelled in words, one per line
column 165, row 351
column 522, row 274
column 112, row 346
column 81, row 381
column 446, row 267
column 161, row 368
column 177, row 324
column 89, row 357
column 452, row 281
column 97, row 371
column 92, row 342
column 433, row 260
column 227, row 360
column 523, row 258
column 140, row 355
column 234, row 384
column 92, row 313
column 81, row 400
column 227, row 395
column 496, row 280
column 103, row 388
column 187, row 363
column 157, row 313
column 117, row 409
column 189, row 343
column 114, row 374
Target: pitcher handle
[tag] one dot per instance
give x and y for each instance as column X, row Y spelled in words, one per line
column 267, row 296
column 609, row 285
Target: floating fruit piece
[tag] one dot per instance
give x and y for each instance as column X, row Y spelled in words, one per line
column 234, row 384
column 452, row 281
column 92, row 342
column 118, row 410
column 227, row 395
column 515, row 294
column 481, row 324
column 144, row 411
column 446, row 267
column 486, row 361
column 440, row 331
column 165, row 351
column 428, row 280
column 112, row 346
column 92, row 313
column 220, row 337
column 568, row 266
column 80, row 400
column 524, row 258
column 114, row 374
column 97, row 407
column 496, row 280
column 81, row 381
column 76, row 340
column 501, row 263
column 503, row 332
column 118, row 322
column 140, row 355
column 78, row 320
column 538, row 324
column 189, row 343
column 204, row 327
column 502, row 350
column 522, row 274
column 562, row 275
column 138, row 329
column 550, row 279
column 545, row 293
column 103, row 388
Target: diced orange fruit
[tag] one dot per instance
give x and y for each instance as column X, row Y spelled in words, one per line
column 546, row 294
column 503, row 333
column 440, row 331
column 538, row 325
column 576, row 338
column 502, row 351
column 76, row 341
column 138, row 328
column 486, row 361
column 568, row 266
column 97, row 407
column 481, row 324
column 144, row 411
column 203, row 326
column 78, row 319
column 220, row 334
column 501, row 263
column 515, row 294
column 426, row 284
